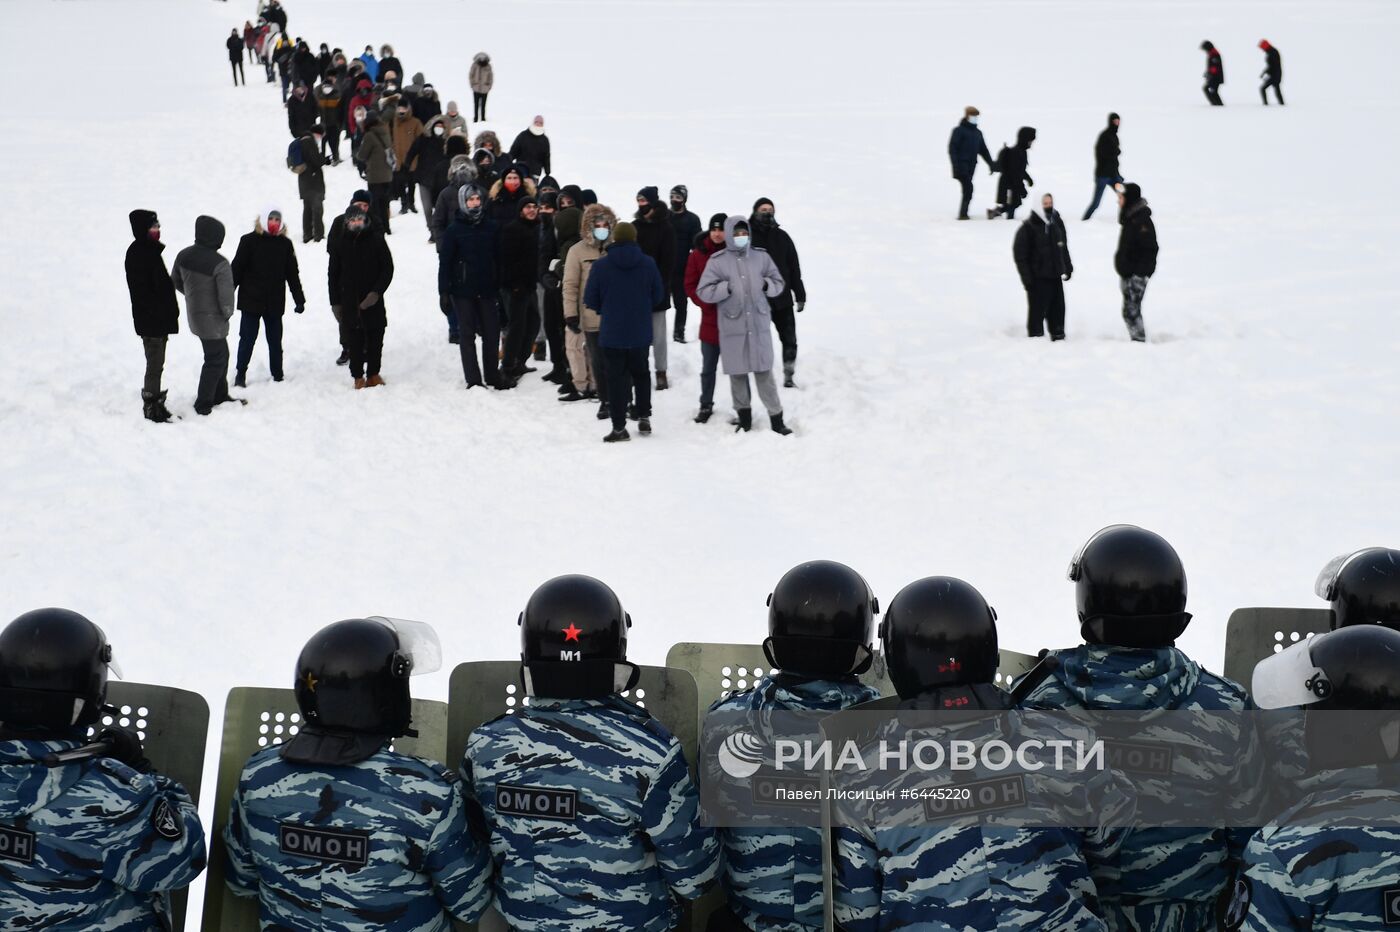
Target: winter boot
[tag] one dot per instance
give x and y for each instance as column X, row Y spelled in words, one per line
column 240, row 379
column 617, row 436
column 539, row 352
column 745, row 419
column 162, row 412
column 678, row 336
column 661, row 383
column 153, row 407
column 705, row 412
column 343, row 358
column 644, row 427
column 374, row 380
column 631, row 412
column 570, row 395
column 454, row 339
column 775, row 421
column 359, row 382
column 787, row 377
column 603, row 413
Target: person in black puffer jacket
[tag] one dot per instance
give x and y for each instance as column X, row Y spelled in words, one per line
column 1041, row 250
column 361, row 269
column 658, row 240
column 1014, row 165
column 1106, row 153
column 425, row 155
column 783, row 251
column 1136, row 258
column 264, row 268
column 154, row 311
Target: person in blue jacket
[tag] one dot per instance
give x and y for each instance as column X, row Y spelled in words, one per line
column 625, row 285
column 964, row 147
column 468, row 282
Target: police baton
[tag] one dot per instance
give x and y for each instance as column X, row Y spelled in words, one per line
column 80, row 753
column 1038, row 674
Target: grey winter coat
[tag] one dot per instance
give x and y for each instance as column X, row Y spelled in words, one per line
column 481, row 76
column 206, row 280
column 374, row 152
column 739, row 282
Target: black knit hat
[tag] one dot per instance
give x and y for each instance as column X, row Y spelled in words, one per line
column 587, row 197
column 549, row 199
column 651, row 194
column 717, row 221
column 760, row 202
column 1131, row 194
column 682, row 192
column 363, row 196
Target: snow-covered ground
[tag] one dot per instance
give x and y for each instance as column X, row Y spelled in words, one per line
column 1256, row 429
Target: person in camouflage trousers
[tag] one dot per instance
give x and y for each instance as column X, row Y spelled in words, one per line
column 333, row 830
column 594, row 822
column 773, row 877
column 97, row 843
column 1131, row 591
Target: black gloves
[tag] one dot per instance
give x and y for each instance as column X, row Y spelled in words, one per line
column 126, row 747
column 573, row 324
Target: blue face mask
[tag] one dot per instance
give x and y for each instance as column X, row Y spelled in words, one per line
column 601, row 234
column 742, row 242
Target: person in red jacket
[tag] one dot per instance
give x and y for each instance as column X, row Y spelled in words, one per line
column 706, row 244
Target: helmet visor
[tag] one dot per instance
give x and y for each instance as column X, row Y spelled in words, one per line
column 417, row 641
column 1326, row 585
column 1076, row 563
column 1289, row 679
column 113, row 668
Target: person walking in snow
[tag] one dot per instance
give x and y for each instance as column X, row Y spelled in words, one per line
column 154, row 311
column 453, row 119
column 792, row 300
column 250, row 37
column 580, row 318
column 331, row 108
column 469, row 284
column 234, row 43
column 657, row 240
column 1136, row 258
column 264, row 268
column 1106, row 152
column 389, row 63
column 361, row 269
column 363, row 200
column 706, row 244
column 685, row 226
column 302, row 111
column 740, row 281
column 1014, row 163
column 624, row 286
column 370, row 63
column 377, row 155
column 311, row 185
column 520, row 277
column 427, row 153
column 531, row 148
column 204, row 277
column 482, row 78
column 964, row 147
column 405, row 132
column 1215, row 73
column 1272, row 73
column 1041, row 251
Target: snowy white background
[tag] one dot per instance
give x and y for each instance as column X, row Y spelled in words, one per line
column 1257, row 430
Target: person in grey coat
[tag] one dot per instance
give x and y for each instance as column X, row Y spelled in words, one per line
column 205, row 278
column 739, row 281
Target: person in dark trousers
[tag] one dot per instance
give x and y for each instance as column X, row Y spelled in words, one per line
column 306, row 69
column 282, row 55
column 204, row 277
column 1272, row 73
column 685, row 225
column 331, row 106
column 425, row 155
column 706, row 245
column 1215, row 73
column 551, row 275
column 656, row 238
column 311, row 185
column 624, row 286
column 469, row 282
column 264, row 268
column 302, row 111
column 377, row 153
column 1014, row 164
column 154, row 311
column 1041, row 250
column 531, row 148
column 360, row 271
column 1136, row 258
column 235, row 57
column 964, row 147
column 520, row 267
column 482, row 78
column 364, row 200
column 250, row 35
column 1106, row 152
column 793, row 298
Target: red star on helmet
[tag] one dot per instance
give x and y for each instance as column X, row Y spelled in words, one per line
column 571, row 633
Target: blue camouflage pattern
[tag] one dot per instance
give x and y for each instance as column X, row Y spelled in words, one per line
column 420, row 860
column 773, row 877
column 1329, row 864
column 1168, row 878
column 91, row 845
column 618, row 844
column 981, row 871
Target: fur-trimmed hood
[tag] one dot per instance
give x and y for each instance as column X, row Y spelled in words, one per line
column 591, row 214
column 485, row 136
column 527, row 188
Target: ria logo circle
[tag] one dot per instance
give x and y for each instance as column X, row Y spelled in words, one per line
column 741, row 755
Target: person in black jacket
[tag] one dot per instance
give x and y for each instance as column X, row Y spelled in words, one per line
column 154, row 311
column 264, row 267
column 302, row 111
column 311, row 185
column 1041, row 250
column 361, row 269
column 306, row 67
column 334, row 238
column 1215, row 73
column 1272, row 73
column 551, row 276
column 531, row 148
column 964, row 146
column 1014, row 165
column 686, row 226
column 234, row 43
column 781, row 249
column 657, row 240
column 388, row 62
column 1106, row 152
column 1136, row 258
column 520, row 271
column 469, row 281
column 427, row 153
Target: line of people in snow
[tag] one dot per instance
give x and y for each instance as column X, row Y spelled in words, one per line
column 580, row 783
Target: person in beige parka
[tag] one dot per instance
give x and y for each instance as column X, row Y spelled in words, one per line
column 580, row 321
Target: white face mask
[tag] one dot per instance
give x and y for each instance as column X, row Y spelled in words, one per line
column 741, row 242
column 537, row 130
column 972, row 120
column 601, row 234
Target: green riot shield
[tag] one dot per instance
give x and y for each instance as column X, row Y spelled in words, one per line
column 255, row 718
column 1255, row 633
column 174, row 727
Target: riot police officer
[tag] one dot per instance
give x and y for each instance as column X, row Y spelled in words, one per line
column 939, row 639
column 1363, row 587
column 1130, row 587
column 334, row 830
column 821, row 621
column 98, row 841
column 1330, row 861
column 594, row 822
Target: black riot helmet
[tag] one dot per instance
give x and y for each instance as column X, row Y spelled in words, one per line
column 573, row 640
column 53, row 670
column 353, row 675
column 1363, row 587
column 1130, row 587
column 821, row 618
column 1353, row 670
column 939, row 631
